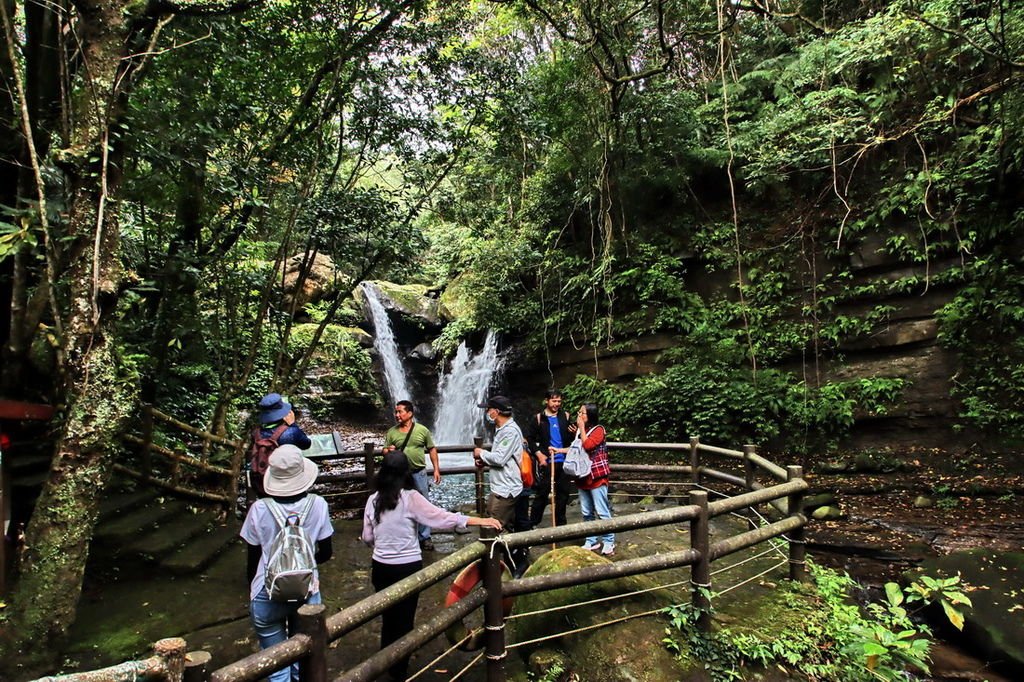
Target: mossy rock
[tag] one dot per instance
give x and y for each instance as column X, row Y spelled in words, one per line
column 340, row 374
column 457, row 301
column 994, row 581
column 819, row 500
column 629, row 650
column 827, row 513
column 409, row 300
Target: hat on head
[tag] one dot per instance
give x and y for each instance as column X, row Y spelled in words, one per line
column 288, row 472
column 498, row 402
column 273, row 408
column 396, row 459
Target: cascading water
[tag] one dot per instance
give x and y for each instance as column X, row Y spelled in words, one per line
column 387, row 348
column 459, row 391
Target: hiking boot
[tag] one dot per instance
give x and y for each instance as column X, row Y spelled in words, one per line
column 427, row 545
column 608, row 549
column 588, row 545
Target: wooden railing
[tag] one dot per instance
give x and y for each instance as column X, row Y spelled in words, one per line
column 783, row 490
column 176, row 470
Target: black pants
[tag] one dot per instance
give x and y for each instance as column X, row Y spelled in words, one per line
column 542, row 492
column 399, row 619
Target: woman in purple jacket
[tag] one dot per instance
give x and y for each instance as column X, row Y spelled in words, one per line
column 389, row 526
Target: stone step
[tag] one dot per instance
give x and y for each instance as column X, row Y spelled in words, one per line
column 119, row 502
column 201, row 550
column 125, row 527
column 168, row 535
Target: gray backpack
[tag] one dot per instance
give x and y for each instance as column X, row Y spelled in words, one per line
column 577, row 461
column 290, row 560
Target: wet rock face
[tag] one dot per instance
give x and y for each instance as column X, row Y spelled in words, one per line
column 406, row 304
column 994, row 582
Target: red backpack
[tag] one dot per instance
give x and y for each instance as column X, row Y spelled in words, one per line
column 259, row 454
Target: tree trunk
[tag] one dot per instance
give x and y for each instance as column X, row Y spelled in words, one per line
column 97, row 397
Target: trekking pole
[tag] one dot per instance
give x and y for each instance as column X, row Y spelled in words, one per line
column 551, row 497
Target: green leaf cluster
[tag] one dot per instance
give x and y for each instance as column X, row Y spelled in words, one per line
column 819, row 633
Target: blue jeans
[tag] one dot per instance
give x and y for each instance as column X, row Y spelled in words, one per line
column 597, row 500
column 421, row 479
column 273, row 620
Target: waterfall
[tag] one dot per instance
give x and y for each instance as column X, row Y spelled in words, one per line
column 461, row 389
column 387, row 349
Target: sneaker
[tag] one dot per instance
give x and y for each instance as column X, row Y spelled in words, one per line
column 427, row 545
column 588, row 545
column 608, row 549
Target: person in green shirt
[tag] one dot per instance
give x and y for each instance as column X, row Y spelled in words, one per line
column 415, row 440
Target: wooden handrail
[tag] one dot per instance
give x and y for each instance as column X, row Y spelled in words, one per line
column 309, row 647
column 179, row 457
column 188, row 428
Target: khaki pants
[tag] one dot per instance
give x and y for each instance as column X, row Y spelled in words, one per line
column 503, row 509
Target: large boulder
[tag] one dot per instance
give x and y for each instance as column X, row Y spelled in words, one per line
column 628, row 651
column 319, row 281
column 994, row 582
column 457, row 301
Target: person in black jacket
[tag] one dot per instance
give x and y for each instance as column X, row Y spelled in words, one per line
column 551, row 429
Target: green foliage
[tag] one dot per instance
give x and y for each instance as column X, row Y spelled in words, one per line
column 947, row 592
column 706, row 395
column 984, row 324
column 819, row 633
column 349, row 364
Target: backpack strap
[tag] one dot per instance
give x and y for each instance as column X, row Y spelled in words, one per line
column 278, row 432
column 277, row 511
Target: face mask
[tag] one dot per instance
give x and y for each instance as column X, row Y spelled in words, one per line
column 489, row 418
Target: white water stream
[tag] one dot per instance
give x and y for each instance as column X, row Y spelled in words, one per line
column 460, row 388
column 387, row 349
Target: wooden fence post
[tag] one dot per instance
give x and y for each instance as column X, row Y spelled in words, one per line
column 312, row 622
column 478, row 479
column 494, row 617
column 172, row 652
column 175, row 477
column 700, row 572
column 146, row 467
column 197, row 666
column 694, row 460
column 748, row 466
column 368, row 448
column 797, row 547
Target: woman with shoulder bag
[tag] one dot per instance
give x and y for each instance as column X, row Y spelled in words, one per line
column 594, row 501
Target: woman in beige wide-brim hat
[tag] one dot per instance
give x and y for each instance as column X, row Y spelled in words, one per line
column 287, row 481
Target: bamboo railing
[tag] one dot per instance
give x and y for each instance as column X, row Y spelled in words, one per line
column 316, row 631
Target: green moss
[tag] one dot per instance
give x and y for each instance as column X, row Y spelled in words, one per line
column 457, row 301
column 124, row 640
column 407, row 296
column 626, row 650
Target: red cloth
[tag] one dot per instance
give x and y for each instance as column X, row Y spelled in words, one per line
column 597, row 449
